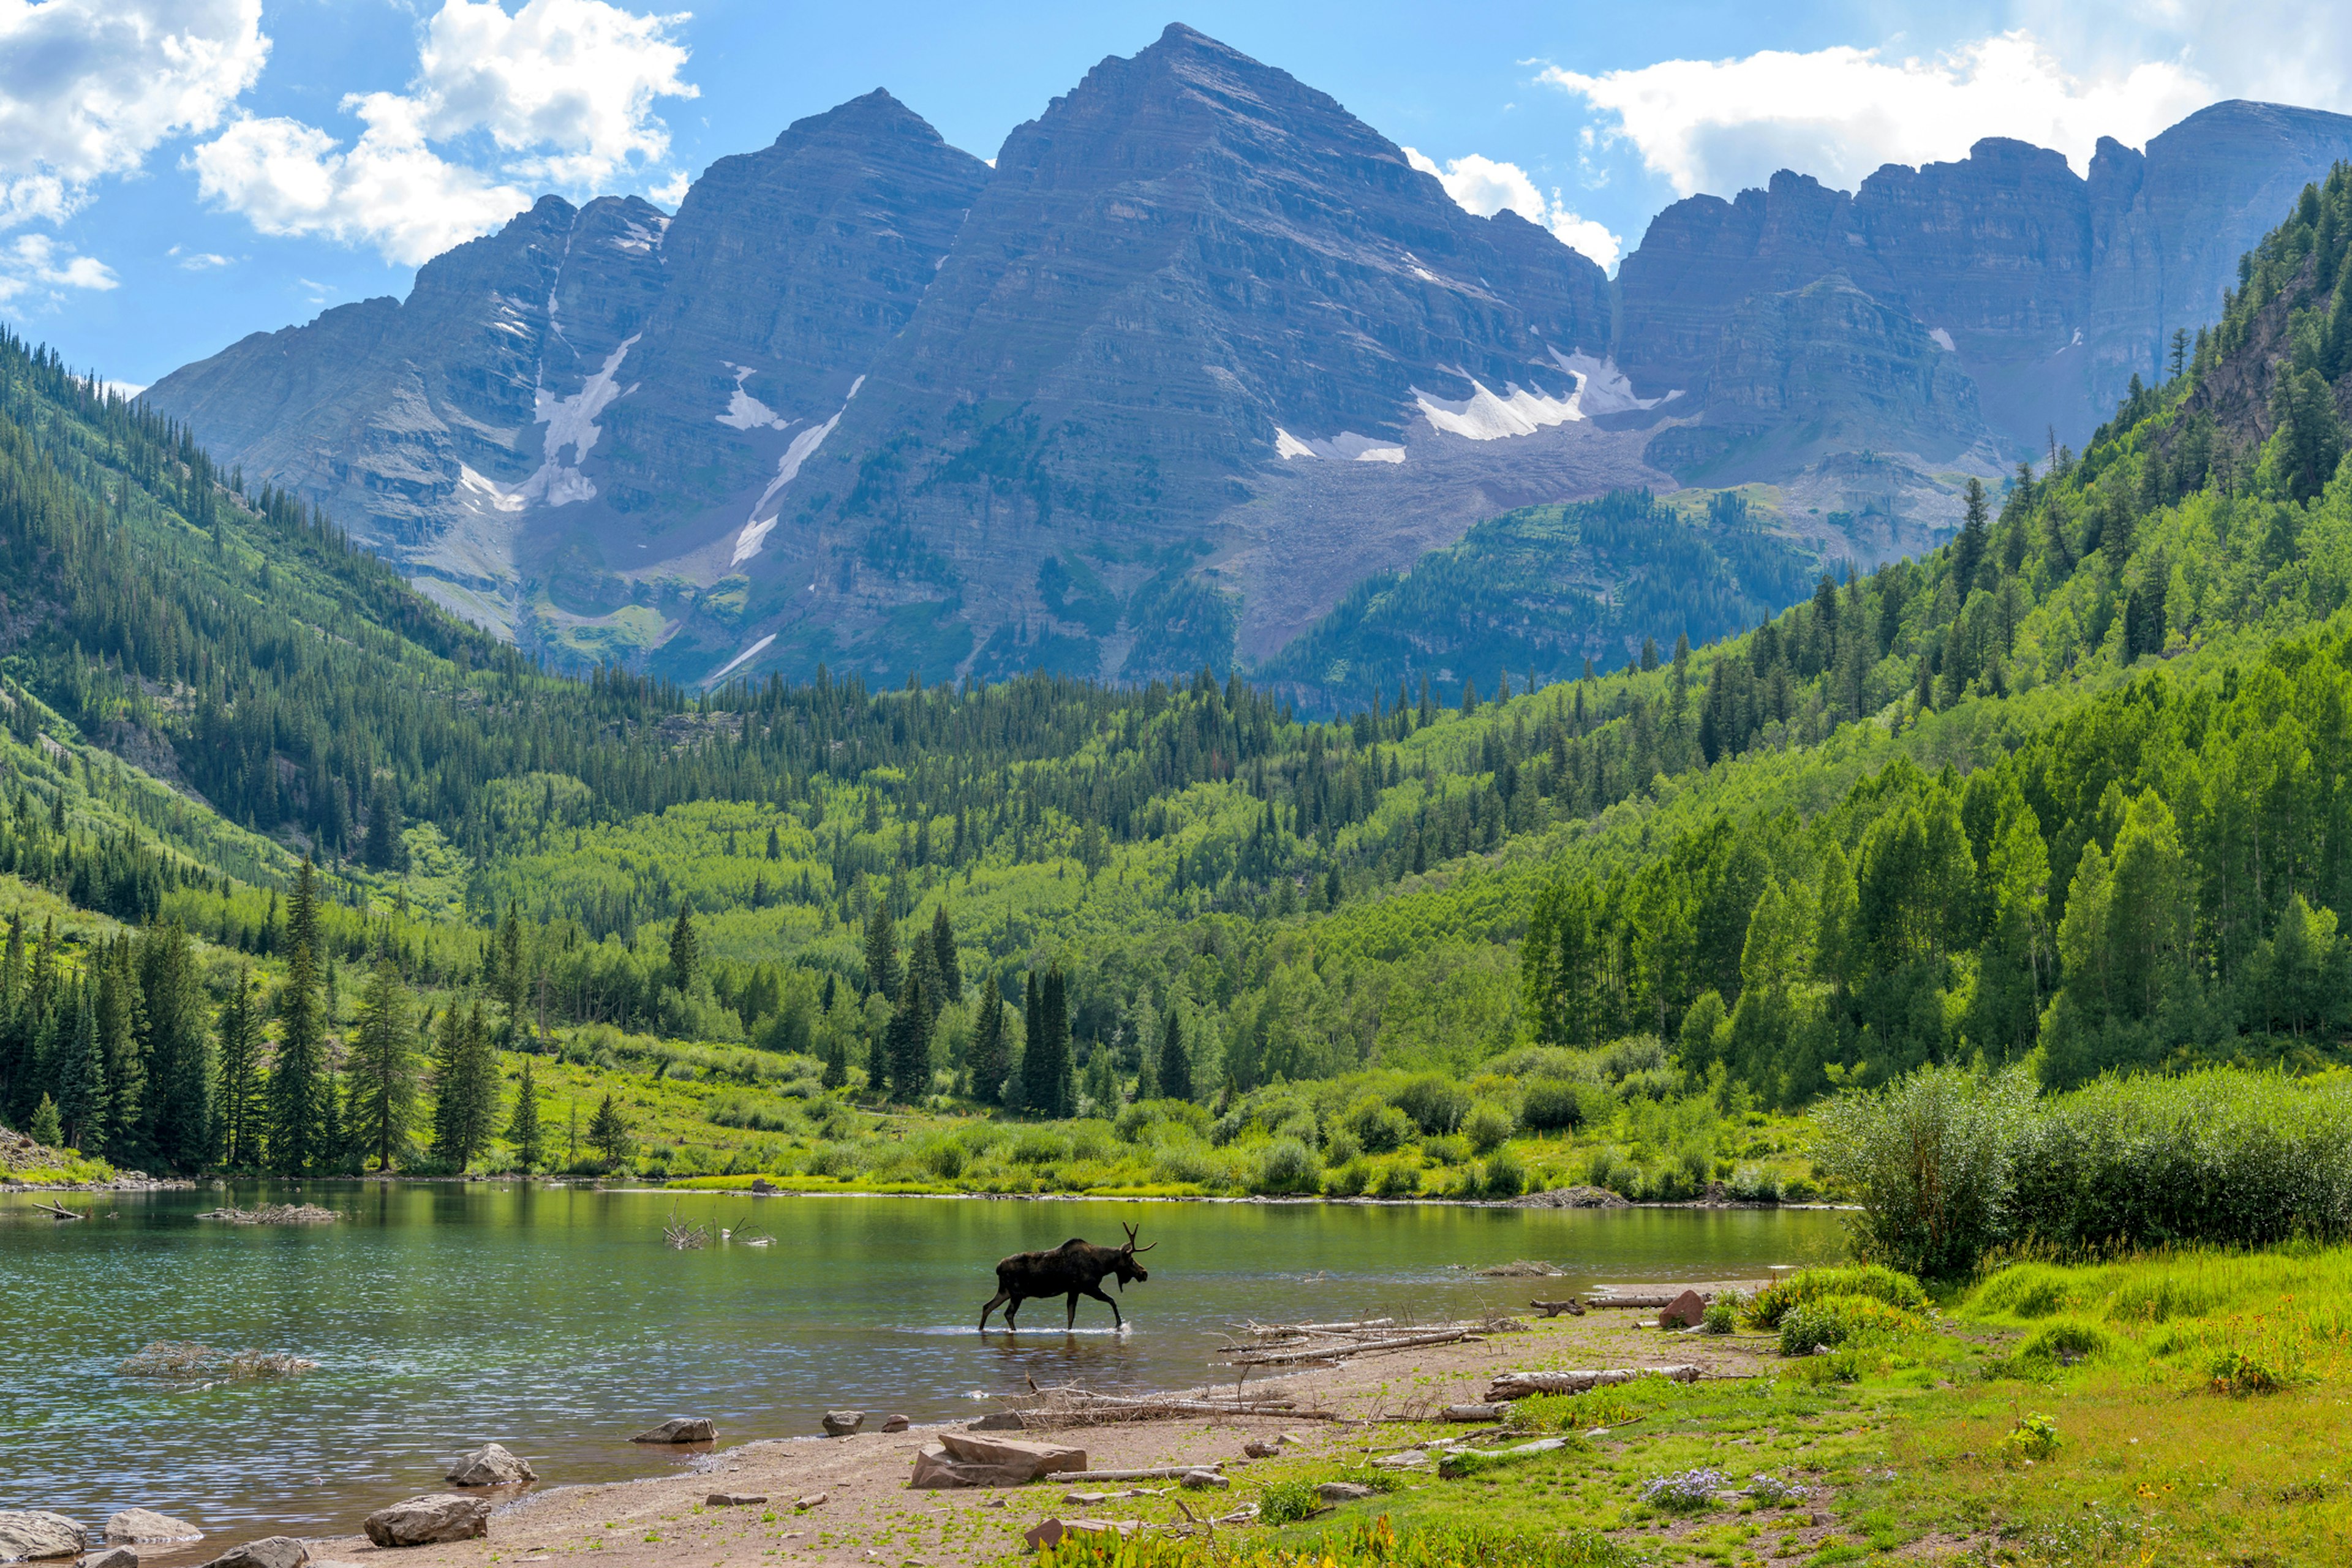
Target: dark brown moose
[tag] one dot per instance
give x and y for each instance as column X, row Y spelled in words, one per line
column 1075, row 1268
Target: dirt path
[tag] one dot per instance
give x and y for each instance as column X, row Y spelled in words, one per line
column 870, row 1516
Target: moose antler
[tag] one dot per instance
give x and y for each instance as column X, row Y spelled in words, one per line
column 1130, row 1238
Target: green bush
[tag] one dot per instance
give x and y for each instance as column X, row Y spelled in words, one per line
column 1287, row 1166
column 1931, row 1158
column 1287, row 1502
column 1840, row 1321
column 1551, row 1105
column 1436, row 1103
column 2023, row 1291
column 1398, row 1179
column 2062, row 1342
column 1347, row 1181
column 1776, row 1300
column 1487, row 1128
column 1723, row 1313
column 1505, row 1177
column 1379, row 1126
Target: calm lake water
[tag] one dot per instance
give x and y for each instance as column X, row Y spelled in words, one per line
column 556, row 1322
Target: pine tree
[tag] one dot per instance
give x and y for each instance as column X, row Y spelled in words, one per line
column 877, row 1063
column 685, row 953
column 384, row 1070
column 81, row 1076
column 386, row 850
column 1975, row 535
column 510, row 977
column 238, row 1086
column 609, row 1134
column 909, row 1038
column 522, row 1131
column 176, row 1044
column 944, row 961
column 1036, row 1081
column 1175, row 1061
column 987, row 1058
column 298, row 1080
column 43, row 1128
column 465, row 1087
column 882, row 972
column 128, row 1130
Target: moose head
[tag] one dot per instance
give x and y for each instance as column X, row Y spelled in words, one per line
column 1127, row 1267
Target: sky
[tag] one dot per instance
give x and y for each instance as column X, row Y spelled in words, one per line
column 176, row 173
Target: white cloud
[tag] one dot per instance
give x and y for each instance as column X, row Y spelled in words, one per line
column 88, row 88
column 672, row 190
column 561, row 91
column 1480, row 184
column 36, row 263
column 196, row 260
column 1839, row 113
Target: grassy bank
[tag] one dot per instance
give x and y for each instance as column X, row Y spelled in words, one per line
column 2182, row 1407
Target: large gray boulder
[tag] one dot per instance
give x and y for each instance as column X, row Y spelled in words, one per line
column 26, row 1533
column 112, row 1557
column 491, row 1466
column 843, row 1422
column 680, row 1429
column 269, row 1551
column 429, row 1519
column 135, row 1526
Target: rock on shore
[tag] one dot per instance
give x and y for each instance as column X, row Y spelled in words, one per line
column 137, row 1526
column 269, row 1551
column 429, row 1519
column 680, row 1429
column 26, row 1533
column 491, row 1466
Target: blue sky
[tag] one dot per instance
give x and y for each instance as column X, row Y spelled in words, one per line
column 175, row 174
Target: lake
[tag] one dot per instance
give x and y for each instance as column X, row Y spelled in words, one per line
column 556, row 1320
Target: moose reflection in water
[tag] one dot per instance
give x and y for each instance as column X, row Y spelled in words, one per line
column 1075, row 1268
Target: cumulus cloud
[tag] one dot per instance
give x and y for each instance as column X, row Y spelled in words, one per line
column 562, row 92
column 1839, row 113
column 196, row 260
column 1482, row 185
column 88, row 88
column 38, row 264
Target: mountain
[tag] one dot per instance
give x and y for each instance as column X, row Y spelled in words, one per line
column 2047, row 291
column 1197, row 359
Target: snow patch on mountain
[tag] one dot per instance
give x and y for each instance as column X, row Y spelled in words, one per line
column 1347, row 446
column 788, row 468
column 745, row 412
column 1486, row 416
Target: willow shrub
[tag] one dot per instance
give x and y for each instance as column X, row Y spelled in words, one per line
column 1948, row 1164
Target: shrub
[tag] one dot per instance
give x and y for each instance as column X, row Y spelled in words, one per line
column 1341, row 1148
column 2062, row 1342
column 1287, row 1166
column 1347, row 1181
column 1487, row 1127
column 1185, row 1164
column 1833, row 1322
column 1774, row 1301
column 1504, row 1176
column 1436, row 1103
column 739, row 1110
column 1930, row 1158
column 1379, row 1126
column 1723, row 1313
column 1688, row 1492
column 838, row 1160
column 1445, row 1150
column 2242, row 1373
column 1398, row 1179
column 1038, row 1146
column 1551, row 1105
column 2033, row 1437
column 1768, row 1490
column 1287, row 1502
column 945, row 1157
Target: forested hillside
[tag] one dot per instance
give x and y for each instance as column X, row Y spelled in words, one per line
column 2069, row 790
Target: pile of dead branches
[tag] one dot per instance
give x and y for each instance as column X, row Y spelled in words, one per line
column 682, row 1236
column 185, row 1360
column 1070, row 1405
column 273, row 1214
column 1284, row 1345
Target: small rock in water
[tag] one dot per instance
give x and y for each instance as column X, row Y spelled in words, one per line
column 734, row 1500
column 680, row 1429
column 842, row 1423
column 430, row 1519
column 894, row 1424
column 1343, row 1491
column 269, row 1551
column 490, row 1465
column 140, row 1524
column 112, row 1557
column 36, row 1533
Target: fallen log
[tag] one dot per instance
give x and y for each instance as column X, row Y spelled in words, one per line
column 57, row 1211
column 1573, row 1306
column 1147, row 1473
column 1251, row 1356
column 1520, row 1385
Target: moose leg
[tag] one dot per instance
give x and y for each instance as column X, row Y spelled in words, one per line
column 994, row 1302
column 1014, row 1310
column 1073, row 1321
column 1097, row 1292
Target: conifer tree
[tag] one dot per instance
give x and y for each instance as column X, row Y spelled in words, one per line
column 81, row 1076
column 945, row 963
column 987, row 1059
column 297, row 1079
column 1037, row 1086
column 43, row 1128
column 685, row 953
column 1175, row 1061
column 909, row 1037
column 130, row 1113
column 609, row 1134
column 465, row 1089
column 238, row 1094
column 384, row 1070
column 882, row 974
column 522, row 1131
column 174, row 1042
column 510, row 977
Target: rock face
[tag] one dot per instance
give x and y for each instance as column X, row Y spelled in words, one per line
column 33, row 1534
column 490, row 1465
column 429, row 1519
column 680, row 1429
column 138, row 1525
column 2048, row 291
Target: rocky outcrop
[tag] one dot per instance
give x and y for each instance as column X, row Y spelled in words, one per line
column 269, row 1551
column 2050, row 290
column 140, row 1526
column 430, row 1519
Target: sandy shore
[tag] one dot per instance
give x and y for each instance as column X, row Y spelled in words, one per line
column 869, row 1515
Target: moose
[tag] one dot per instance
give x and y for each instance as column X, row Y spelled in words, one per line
column 1075, row 1268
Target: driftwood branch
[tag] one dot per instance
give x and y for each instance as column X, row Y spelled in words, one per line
column 1520, row 1385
